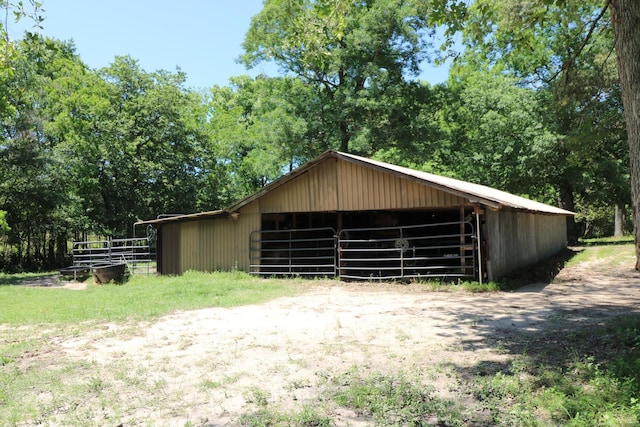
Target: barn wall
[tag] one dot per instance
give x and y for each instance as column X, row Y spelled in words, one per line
column 335, row 185
column 169, row 256
column 312, row 191
column 209, row 244
column 517, row 239
column 364, row 188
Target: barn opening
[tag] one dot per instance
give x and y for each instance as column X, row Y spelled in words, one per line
column 361, row 245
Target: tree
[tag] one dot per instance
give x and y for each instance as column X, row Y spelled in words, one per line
column 260, row 128
column 625, row 16
column 32, row 175
column 347, row 50
column 497, row 132
column 564, row 50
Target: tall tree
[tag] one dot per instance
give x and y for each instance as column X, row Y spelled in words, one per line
column 497, row 132
column 347, row 50
column 260, row 128
column 625, row 16
column 566, row 50
column 32, row 176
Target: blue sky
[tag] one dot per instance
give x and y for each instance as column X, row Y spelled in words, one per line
column 202, row 37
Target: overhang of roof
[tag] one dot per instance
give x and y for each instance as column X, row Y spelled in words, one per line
column 475, row 193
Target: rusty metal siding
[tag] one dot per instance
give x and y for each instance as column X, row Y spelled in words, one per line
column 517, row 239
column 363, row 188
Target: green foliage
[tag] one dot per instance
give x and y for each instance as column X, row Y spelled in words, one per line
column 4, row 227
column 565, row 51
column 583, row 393
column 352, row 54
column 308, row 416
column 497, row 134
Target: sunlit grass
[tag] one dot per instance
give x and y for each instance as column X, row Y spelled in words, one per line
column 610, row 254
column 142, row 297
column 607, row 240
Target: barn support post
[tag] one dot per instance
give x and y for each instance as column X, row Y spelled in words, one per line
column 477, row 211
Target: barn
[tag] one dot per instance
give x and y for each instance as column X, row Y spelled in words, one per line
column 360, row 219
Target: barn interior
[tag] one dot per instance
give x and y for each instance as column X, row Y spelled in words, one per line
column 362, row 245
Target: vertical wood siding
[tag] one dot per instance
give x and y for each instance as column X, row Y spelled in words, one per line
column 344, row 186
column 517, row 239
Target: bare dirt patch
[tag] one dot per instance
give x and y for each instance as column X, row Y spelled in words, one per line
column 206, row 367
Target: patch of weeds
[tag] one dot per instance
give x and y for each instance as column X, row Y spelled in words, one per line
column 401, row 335
column 394, row 399
column 257, row 397
column 299, row 383
column 96, row 385
column 209, row 384
column 459, row 286
column 583, row 393
column 308, row 416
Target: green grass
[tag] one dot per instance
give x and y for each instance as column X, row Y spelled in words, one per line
column 611, row 254
column 18, row 278
column 601, row 389
column 463, row 286
column 142, row 297
column 606, row 241
column 398, row 399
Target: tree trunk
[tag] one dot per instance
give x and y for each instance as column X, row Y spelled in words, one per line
column 61, row 248
column 619, row 220
column 567, row 202
column 344, row 136
column 625, row 16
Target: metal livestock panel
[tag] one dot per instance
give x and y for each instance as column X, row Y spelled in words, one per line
column 296, row 252
column 441, row 250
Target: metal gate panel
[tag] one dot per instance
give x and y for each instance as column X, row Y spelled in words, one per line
column 297, row 252
column 138, row 253
column 443, row 250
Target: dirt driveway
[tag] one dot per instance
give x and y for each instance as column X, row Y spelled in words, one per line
column 206, row 367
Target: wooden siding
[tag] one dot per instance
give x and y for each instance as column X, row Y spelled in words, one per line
column 517, row 239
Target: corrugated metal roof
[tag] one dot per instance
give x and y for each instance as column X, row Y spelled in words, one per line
column 475, row 193
column 483, row 194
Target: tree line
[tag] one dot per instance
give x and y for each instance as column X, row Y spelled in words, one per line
column 533, row 106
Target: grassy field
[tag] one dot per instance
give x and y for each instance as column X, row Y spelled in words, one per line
column 142, row 298
column 586, row 391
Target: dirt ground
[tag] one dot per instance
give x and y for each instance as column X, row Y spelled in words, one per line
column 203, row 367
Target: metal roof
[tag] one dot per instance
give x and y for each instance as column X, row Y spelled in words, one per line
column 475, row 193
